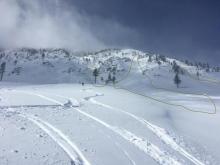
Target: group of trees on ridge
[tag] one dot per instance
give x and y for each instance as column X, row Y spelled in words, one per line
column 111, row 76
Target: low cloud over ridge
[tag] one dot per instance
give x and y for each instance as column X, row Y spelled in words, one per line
column 52, row 24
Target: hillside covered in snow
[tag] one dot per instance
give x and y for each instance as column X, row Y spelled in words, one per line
column 144, row 109
column 61, row 65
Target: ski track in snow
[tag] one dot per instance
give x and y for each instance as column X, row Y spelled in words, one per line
column 125, row 153
column 147, row 147
column 150, row 149
column 158, row 131
column 41, row 96
column 131, row 160
column 62, row 140
column 119, row 147
column 117, row 144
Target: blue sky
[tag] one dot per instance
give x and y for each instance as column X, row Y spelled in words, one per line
column 183, row 29
column 180, row 28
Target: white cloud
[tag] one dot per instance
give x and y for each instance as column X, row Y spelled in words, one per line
column 26, row 23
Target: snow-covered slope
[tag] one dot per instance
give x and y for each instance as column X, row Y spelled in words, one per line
column 47, row 117
column 108, row 126
column 134, row 67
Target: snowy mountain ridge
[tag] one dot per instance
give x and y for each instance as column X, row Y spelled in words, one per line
column 61, row 65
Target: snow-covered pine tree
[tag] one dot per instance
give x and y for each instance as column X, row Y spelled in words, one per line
column 175, row 67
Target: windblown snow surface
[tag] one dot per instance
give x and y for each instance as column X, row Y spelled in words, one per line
column 47, row 117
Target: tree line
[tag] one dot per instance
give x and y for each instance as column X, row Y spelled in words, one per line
column 111, row 76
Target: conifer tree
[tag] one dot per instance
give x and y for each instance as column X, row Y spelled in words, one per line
column 109, row 77
column 113, row 79
column 177, row 80
column 197, row 74
column 2, row 70
column 95, row 74
column 150, row 58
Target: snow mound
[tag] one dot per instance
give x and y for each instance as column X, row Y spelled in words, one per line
column 72, row 103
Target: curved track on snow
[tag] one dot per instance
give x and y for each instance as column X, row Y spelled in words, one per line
column 158, row 131
column 60, row 138
column 160, row 156
column 161, row 133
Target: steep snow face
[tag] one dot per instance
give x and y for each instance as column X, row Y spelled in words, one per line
column 61, row 63
column 63, row 66
column 43, row 66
